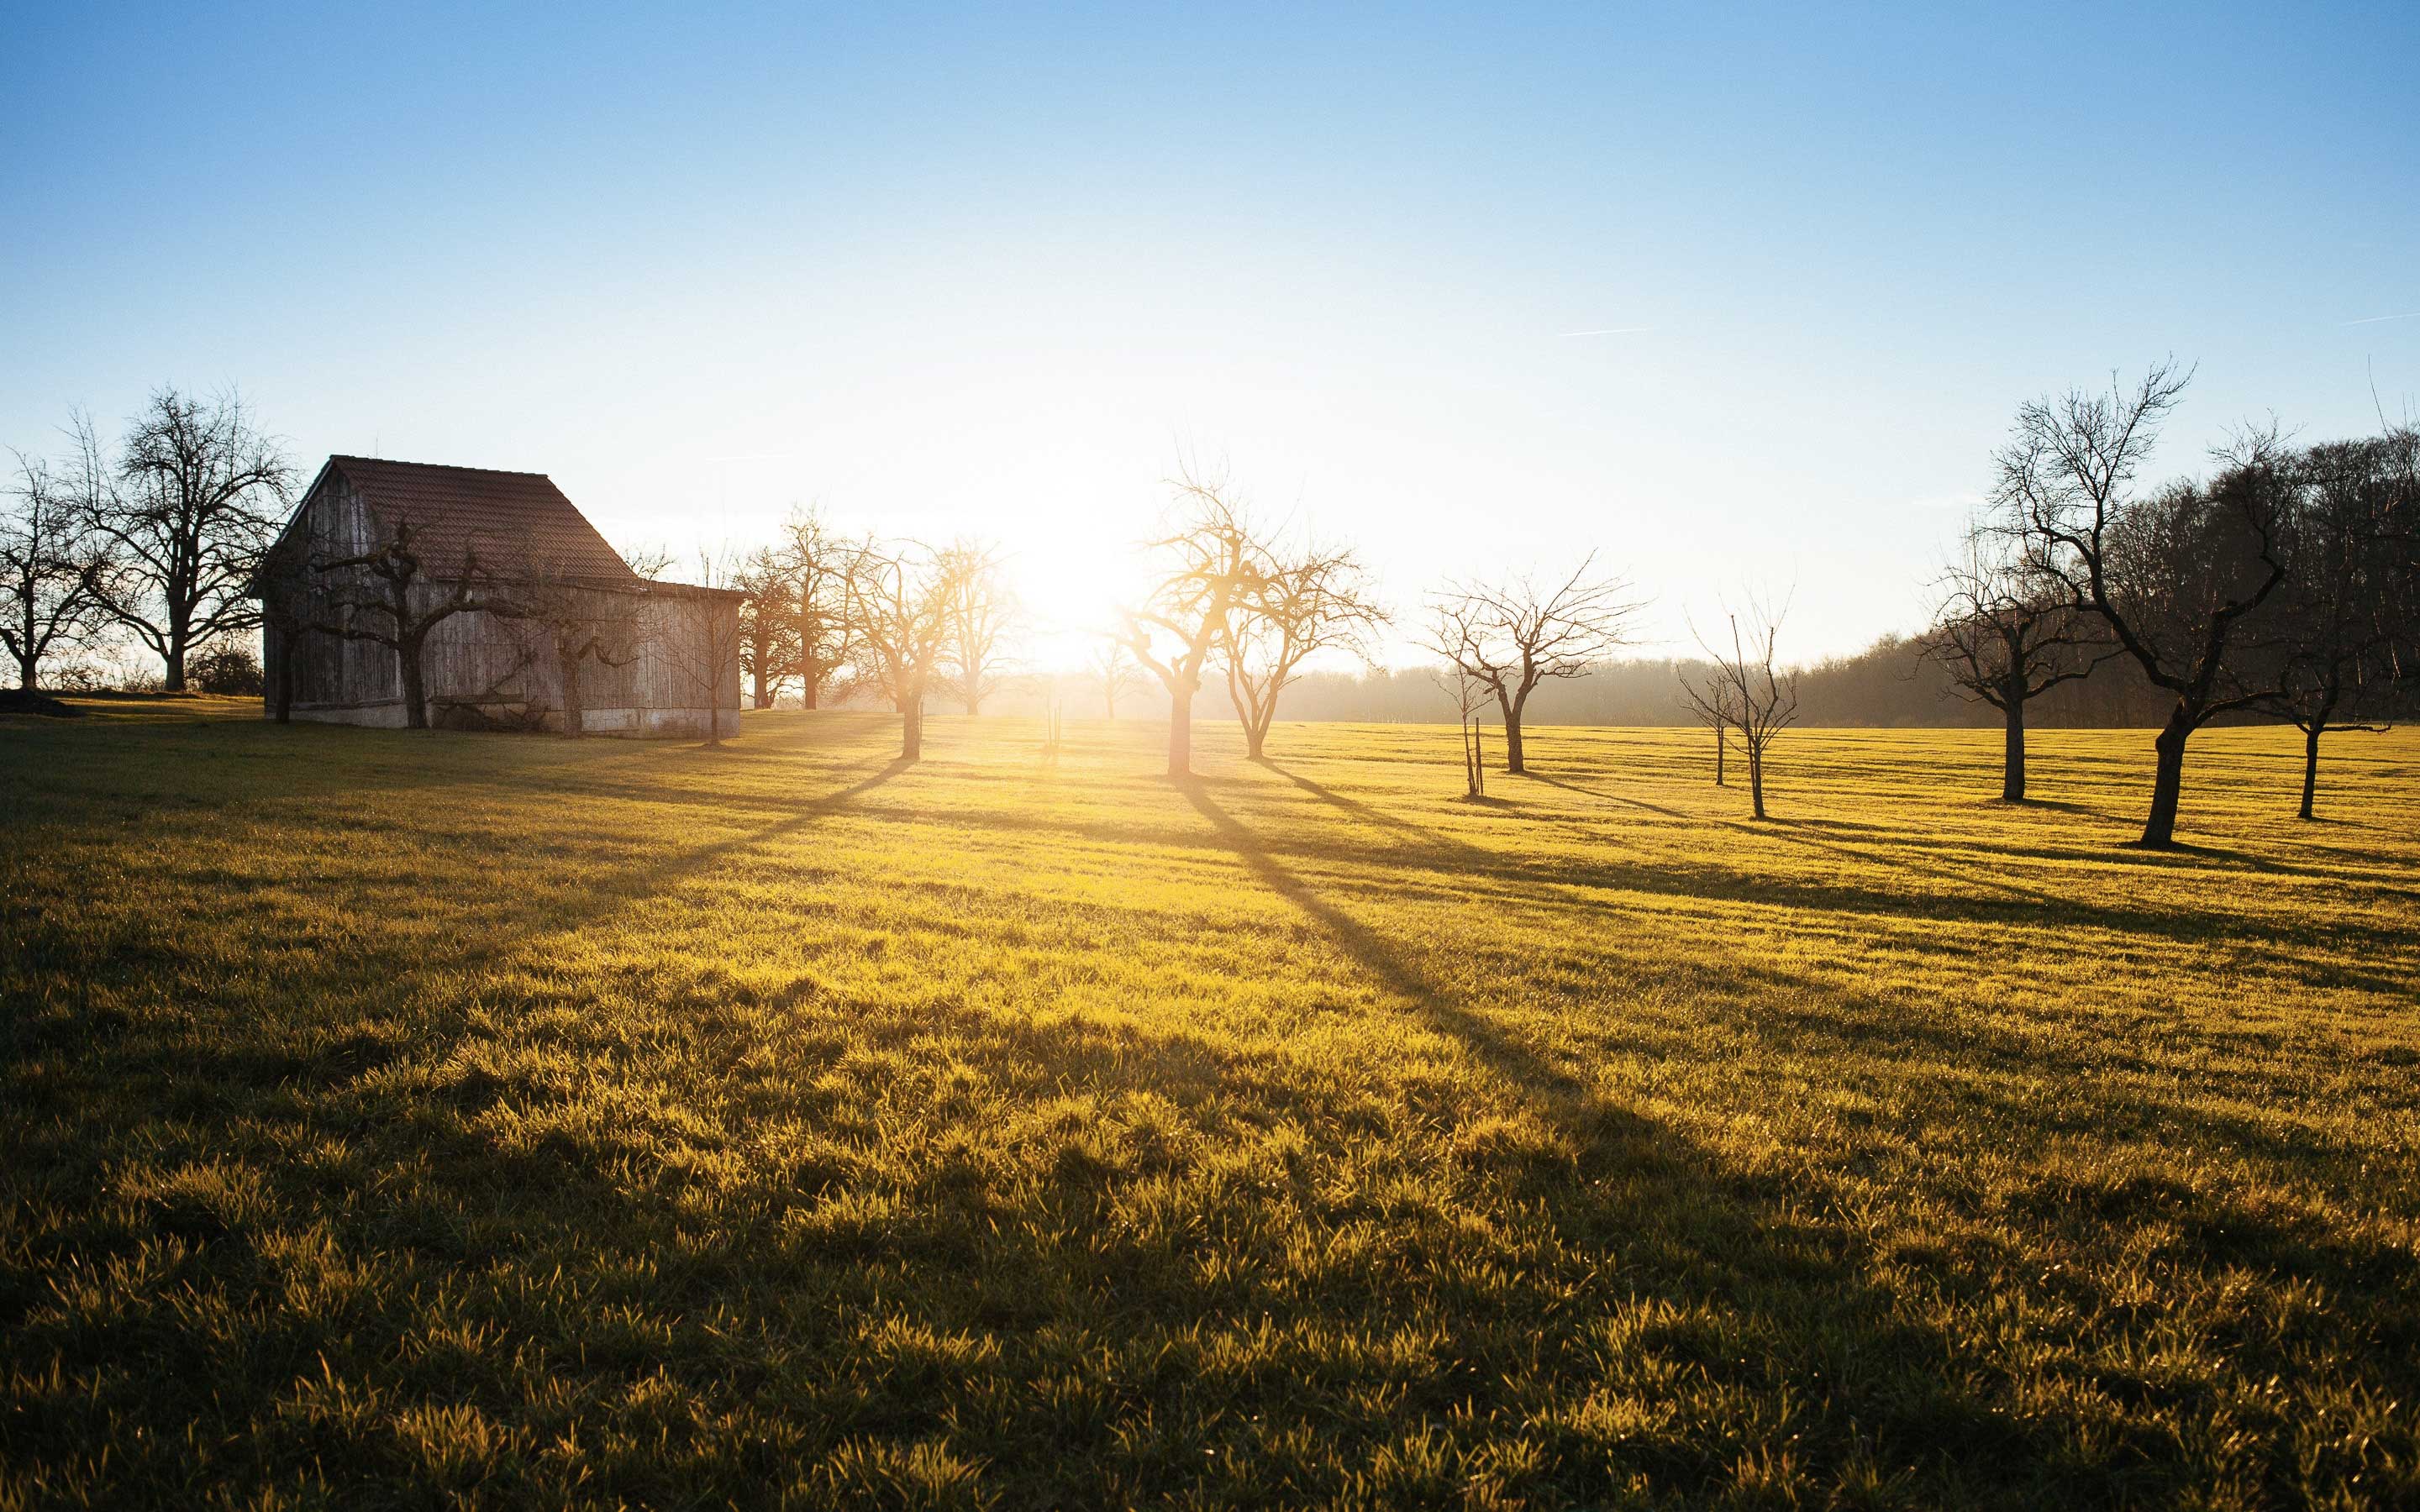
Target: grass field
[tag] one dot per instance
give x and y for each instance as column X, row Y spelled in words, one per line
column 413, row 1120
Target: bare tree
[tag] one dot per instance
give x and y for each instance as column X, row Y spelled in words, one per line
column 55, row 571
column 648, row 562
column 2348, row 551
column 1471, row 697
column 1748, row 691
column 385, row 596
column 2175, row 576
column 1114, row 667
column 585, row 620
column 821, row 568
column 2399, row 458
column 1707, row 693
column 706, row 647
column 1209, row 562
column 1512, row 636
column 195, row 497
column 899, row 599
column 768, row 626
column 983, row 615
column 2005, row 633
column 1314, row 600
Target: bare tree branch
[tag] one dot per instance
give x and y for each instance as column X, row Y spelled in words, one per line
column 2175, row 575
column 1209, row 561
column 2005, row 632
column 56, row 570
column 193, row 502
column 1512, row 636
column 1310, row 600
column 1749, row 689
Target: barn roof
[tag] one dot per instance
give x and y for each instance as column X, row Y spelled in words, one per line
column 509, row 521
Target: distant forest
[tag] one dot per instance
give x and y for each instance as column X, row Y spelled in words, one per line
column 1888, row 684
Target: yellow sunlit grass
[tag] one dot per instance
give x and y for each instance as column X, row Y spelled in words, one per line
column 532, row 1121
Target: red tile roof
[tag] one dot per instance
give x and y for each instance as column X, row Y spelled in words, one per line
column 511, row 521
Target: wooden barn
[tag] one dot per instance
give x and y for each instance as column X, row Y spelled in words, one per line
column 482, row 600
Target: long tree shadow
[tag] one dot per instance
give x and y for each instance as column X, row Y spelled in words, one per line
column 655, row 876
column 1704, row 880
column 333, row 977
column 1512, row 1059
column 1368, row 813
column 2180, row 855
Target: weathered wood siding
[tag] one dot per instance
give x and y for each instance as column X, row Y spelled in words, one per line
column 330, row 672
column 488, row 667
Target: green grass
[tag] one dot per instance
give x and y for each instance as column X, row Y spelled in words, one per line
column 420, row 1119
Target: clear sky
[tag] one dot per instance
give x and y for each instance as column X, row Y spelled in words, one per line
column 984, row 271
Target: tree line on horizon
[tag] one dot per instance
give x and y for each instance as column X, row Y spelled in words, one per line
column 2282, row 586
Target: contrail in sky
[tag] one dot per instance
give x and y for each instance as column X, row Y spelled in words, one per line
column 2376, row 318
column 1609, row 331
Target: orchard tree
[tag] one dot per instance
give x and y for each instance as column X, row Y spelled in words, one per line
column 705, row 645
column 386, row 595
column 191, row 503
column 899, row 595
column 1471, row 697
column 1305, row 602
column 984, row 617
column 1113, row 668
column 768, row 626
column 1749, row 689
column 820, row 568
column 583, row 619
column 1705, row 689
column 2177, row 577
column 55, row 571
column 1512, row 636
column 2005, row 633
column 1206, row 565
column 2341, row 610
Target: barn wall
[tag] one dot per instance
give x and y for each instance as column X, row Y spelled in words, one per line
column 507, row 670
column 329, row 671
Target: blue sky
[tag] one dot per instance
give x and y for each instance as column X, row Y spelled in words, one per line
column 985, row 272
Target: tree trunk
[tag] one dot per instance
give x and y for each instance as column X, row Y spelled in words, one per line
column 811, row 685
column 2160, row 826
column 763, row 695
column 2012, row 753
column 573, row 714
column 2310, row 767
column 416, row 692
column 1512, row 712
column 1754, row 781
column 25, row 671
column 1722, row 750
column 174, row 678
column 1180, row 731
column 911, row 730
column 1256, row 735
